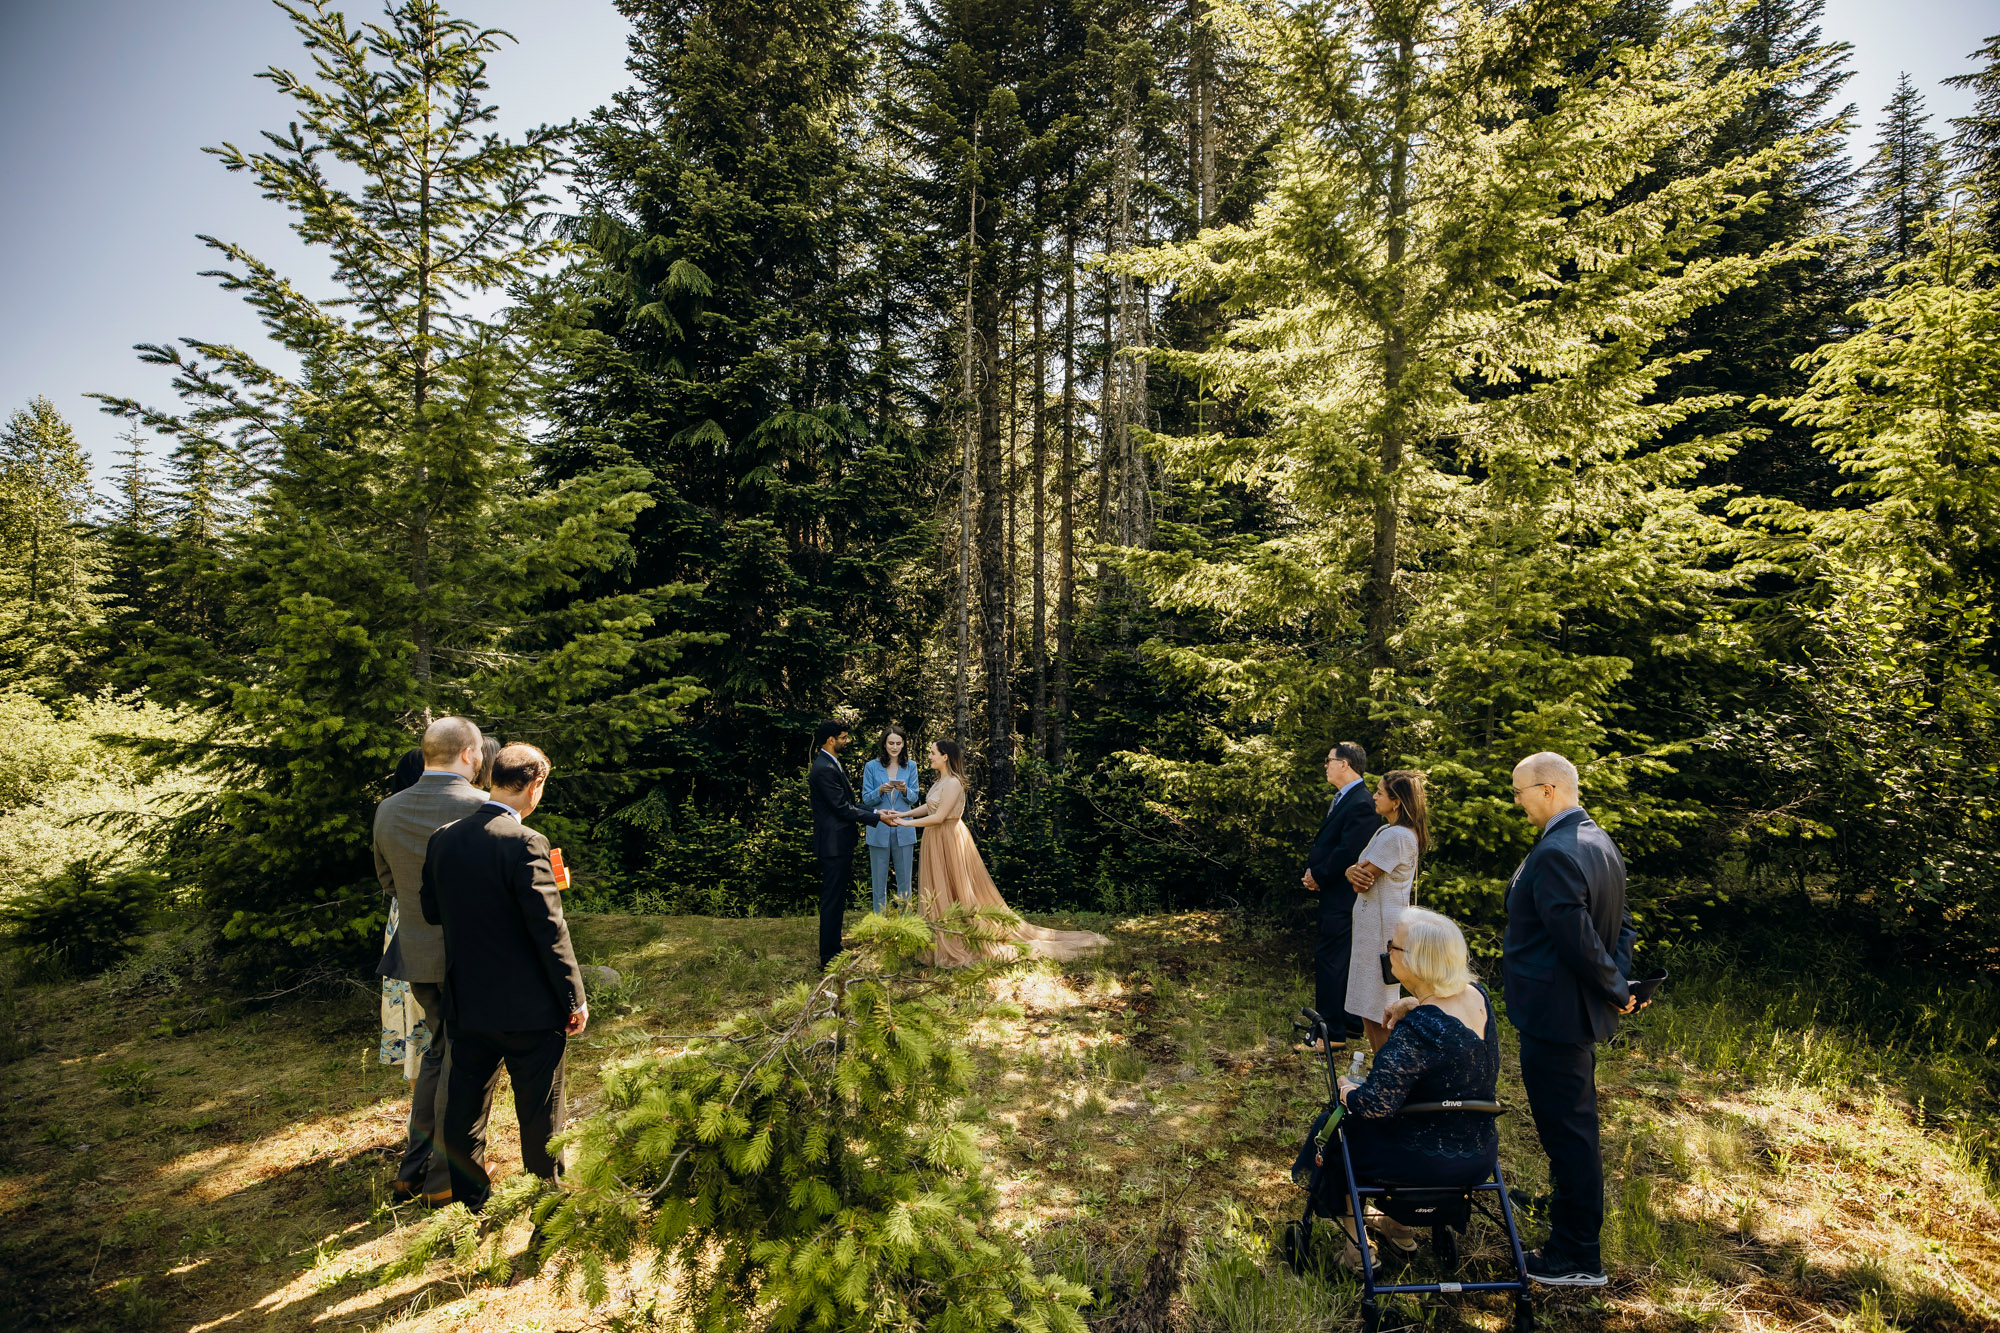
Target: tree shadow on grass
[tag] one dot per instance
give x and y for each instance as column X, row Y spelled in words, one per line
column 1676, row 1270
column 286, row 1251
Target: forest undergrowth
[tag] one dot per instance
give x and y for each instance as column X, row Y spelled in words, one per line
column 1789, row 1141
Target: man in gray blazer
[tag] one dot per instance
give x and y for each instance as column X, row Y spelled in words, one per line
column 404, row 823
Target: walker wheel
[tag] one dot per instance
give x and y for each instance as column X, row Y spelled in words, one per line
column 1293, row 1245
column 1444, row 1244
column 1524, row 1315
column 1371, row 1317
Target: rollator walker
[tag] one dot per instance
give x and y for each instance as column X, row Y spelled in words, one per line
column 1447, row 1211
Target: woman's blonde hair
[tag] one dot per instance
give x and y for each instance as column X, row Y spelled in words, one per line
column 1434, row 951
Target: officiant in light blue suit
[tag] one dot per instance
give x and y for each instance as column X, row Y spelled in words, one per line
column 889, row 782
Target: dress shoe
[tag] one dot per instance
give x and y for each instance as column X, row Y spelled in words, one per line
column 1551, row 1270
column 441, row 1199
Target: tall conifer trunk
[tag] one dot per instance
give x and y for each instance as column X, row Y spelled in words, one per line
column 420, row 564
column 969, row 409
column 1011, row 467
column 1038, row 462
column 1066, row 502
column 992, row 552
column 1395, row 360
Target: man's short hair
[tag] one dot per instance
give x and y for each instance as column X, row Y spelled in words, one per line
column 518, row 767
column 448, row 738
column 827, row 730
column 1549, row 767
column 1351, row 754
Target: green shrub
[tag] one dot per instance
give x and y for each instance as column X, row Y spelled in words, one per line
column 82, row 919
column 803, row 1165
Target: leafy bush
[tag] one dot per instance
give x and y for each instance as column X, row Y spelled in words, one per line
column 803, row 1165
column 82, row 920
column 77, row 783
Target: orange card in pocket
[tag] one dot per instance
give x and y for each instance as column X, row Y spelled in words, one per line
column 558, row 869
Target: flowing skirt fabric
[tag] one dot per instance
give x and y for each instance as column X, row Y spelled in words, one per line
column 950, row 874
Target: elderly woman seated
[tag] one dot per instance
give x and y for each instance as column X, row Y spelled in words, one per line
column 1443, row 1045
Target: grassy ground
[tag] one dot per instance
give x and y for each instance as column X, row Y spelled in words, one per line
column 166, row 1162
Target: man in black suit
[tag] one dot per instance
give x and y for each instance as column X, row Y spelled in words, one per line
column 837, row 824
column 1568, row 952
column 511, row 985
column 1349, row 823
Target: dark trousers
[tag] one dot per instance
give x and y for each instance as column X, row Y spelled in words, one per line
column 1560, row 1078
column 836, row 873
column 534, row 1062
column 423, row 1165
column 1330, row 958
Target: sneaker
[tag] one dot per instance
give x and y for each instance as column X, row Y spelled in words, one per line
column 1555, row 1271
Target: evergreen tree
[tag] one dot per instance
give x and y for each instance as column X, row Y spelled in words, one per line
column 1976, row 145
column 47, row 556
column 1447, row 311
column 138, row 494
column 804, row 1166
column 1882, row 754
column 957, row 115
column 1903, row 184
column 743, row 350
column 397, row 558
column 1746, row 345
column 136, row 552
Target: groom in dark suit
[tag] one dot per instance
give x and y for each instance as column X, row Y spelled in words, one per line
column 1349, row 823
column 837, row 824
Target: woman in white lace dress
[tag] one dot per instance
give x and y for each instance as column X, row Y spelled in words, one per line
column 1385, row 883
column 951, row 875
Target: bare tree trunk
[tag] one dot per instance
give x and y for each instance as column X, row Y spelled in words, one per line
column 1066, row 501
column 1010, row 574
column 1381, row 590
column 991, row 540
column 968, row 405
column 1201, row 148
column 420, row 527
column 1038, row 462
column 1107, row 412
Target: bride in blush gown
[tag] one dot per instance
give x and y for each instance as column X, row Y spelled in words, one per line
column 950, row 874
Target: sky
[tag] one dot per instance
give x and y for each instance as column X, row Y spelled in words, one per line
column 105, row 106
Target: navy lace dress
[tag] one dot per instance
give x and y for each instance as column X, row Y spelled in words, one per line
column 1429, row 1057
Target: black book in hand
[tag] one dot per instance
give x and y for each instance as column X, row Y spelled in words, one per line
column 1644, row 988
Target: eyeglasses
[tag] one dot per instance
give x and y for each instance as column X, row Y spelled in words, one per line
column 1550, row 785
column 1396, row 948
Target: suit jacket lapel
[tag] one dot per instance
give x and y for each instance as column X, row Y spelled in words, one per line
column 839, row 768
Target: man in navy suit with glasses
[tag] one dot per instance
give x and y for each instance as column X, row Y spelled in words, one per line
column 1567, row 955
column 1343, row 834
